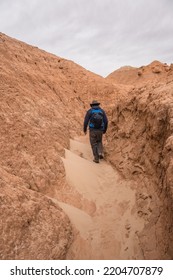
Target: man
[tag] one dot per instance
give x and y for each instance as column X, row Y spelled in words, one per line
column 97, row 121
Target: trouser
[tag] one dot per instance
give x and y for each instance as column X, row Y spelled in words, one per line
column 96, row 142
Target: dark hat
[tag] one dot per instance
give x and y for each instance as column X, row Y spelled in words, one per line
column 94, row 102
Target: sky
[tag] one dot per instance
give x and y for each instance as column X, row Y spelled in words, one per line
column 100, row 35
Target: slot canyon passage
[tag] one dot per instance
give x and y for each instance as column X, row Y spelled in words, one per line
column 55, row 202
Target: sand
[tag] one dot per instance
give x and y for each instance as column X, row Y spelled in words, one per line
column 111, row 232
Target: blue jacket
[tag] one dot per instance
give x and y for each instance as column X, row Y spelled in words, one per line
column 88, row 117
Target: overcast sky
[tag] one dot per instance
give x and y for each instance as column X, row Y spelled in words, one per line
column 100, row 35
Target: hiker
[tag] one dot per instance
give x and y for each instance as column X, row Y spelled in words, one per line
column 97, row 121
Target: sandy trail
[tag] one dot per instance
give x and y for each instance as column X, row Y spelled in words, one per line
column 111, row 231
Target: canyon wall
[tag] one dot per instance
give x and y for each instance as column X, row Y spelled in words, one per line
column 140, row 147
column 43, row 99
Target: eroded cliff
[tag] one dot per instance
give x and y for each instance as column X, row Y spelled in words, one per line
column 140, row 147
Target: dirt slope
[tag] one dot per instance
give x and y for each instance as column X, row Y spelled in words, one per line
column 43, row 99
column 31, row 225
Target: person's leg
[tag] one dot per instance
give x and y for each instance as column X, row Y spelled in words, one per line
column 94, row 144
column 99, row 143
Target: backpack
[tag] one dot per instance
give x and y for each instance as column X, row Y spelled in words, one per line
column 96, row 120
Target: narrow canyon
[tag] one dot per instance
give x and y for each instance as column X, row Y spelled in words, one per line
column 55, row 202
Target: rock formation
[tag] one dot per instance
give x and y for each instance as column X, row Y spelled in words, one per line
column 140, row 146
column 43, row 99
column 32, row 226
column 152, row 73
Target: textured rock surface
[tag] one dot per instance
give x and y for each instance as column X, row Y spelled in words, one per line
column 154, row 72
column 42, row 102
column 140, row 146
column 32, row 226
column 38, row 93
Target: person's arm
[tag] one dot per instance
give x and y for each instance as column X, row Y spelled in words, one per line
column 86, row 121
column 105, row 120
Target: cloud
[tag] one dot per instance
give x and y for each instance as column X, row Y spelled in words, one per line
column 99, row 35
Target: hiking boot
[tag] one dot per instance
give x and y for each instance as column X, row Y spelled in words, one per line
column 96, row 160
column 101, row 157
